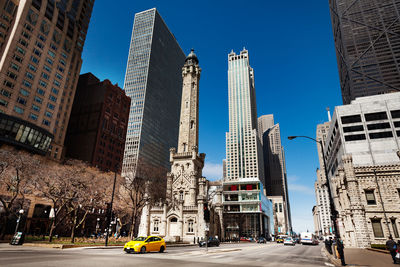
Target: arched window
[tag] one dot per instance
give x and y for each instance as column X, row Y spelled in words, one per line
column 155, row 227
column 174, row 219
column 191, row 124
column 190, row 226
column 181, row 195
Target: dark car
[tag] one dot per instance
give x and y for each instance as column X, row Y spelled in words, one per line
column 212, row 242
column 261, row 240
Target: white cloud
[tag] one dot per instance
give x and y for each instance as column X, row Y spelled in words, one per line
column 301, row 189
column 212, row 171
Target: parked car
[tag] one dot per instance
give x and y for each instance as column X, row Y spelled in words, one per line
column 245, row 239
column 289, row 241
column 212, row 242
column 279, row 239
column 144, row 244
column 261, row 240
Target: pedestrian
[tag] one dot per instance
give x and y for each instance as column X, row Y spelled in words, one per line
column 328, row 244
column 340, row 249
column 392, row 247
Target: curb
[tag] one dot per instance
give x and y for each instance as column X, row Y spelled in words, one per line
column 379, row 250
column 330, row 257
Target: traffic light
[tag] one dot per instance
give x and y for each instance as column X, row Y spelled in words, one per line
column 206, row 213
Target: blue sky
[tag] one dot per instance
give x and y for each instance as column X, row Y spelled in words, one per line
column 291, row 50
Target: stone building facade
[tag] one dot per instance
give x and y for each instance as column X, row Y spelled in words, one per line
column 363, row 164
column 181, row 216
column 368, row 202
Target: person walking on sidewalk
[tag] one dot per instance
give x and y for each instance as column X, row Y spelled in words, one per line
column 328, row 244
column 340, row 249
column 392, row 247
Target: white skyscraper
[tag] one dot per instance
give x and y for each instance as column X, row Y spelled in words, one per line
column 247, row 212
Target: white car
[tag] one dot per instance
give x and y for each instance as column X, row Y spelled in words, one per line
column 289, row 241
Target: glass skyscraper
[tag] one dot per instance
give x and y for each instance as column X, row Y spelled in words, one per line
column 247, row 212
column 367, row 42
column 153, row 80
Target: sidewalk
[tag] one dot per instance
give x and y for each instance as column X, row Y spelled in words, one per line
column 362, row 257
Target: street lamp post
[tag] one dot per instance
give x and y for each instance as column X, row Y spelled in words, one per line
column 109, row 215
column 334, row 212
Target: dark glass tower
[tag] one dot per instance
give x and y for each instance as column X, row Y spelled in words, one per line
column 153, row 80
column 367, row 42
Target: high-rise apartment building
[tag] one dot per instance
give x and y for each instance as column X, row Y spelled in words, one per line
column 367, row 46
column 320, row 186
column 153, row 80
column 247, row 212
column 362, row 158
column 97, row 127
column 41, row 43
column 275, row 177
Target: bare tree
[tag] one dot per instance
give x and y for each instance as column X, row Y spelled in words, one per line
column 133, row 191
column 16, row 171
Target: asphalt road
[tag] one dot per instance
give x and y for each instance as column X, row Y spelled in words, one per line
column 249, row 254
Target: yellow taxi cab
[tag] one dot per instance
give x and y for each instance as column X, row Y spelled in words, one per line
column 143, row 244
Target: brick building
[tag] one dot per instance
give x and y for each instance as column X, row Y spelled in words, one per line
column 99, row 118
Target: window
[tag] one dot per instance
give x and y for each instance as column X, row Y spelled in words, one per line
column 58, row 76
column 61, row 69
column 24, row 92
column 377, row 126
column 63, row 62
column 395, row 114
column 395, row 230
column 380, row 135
column 54, row 91
column 181, row 195
column 354, row 137
column 156, row 224
column 3, row 103
column 57, row 83
column 377, row 227
column 280, row 207
column 27, row 84
column 17, row 58
column 38, row 99
column 53, row 46
column 29, row 75
column 53, row 98
column 18, row 110
column 41, row 91
column 370, row 197
column 37, row 52
column 20, row 50
column 48, row 114
column 356, row 128
column 51, row 53
column 47, row 68
column 39, row 44
column 351, row 119
column 64, row 55
column 5, row 93
column 34, row 60
column 46, row 122
column 14, row 66
column 42, row 83
column 35, row 108
column 31, row 67
column 48, row 60
column 375, row 116
column 12, row 75
column 45, row 76
column 174, row 219
column 51, row 106
column 33, row 116
column 21, row 101
column 190, row 226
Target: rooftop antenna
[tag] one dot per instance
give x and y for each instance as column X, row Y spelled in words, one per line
column 329, row 114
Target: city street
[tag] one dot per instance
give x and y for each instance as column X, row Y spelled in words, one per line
column 249, row 254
